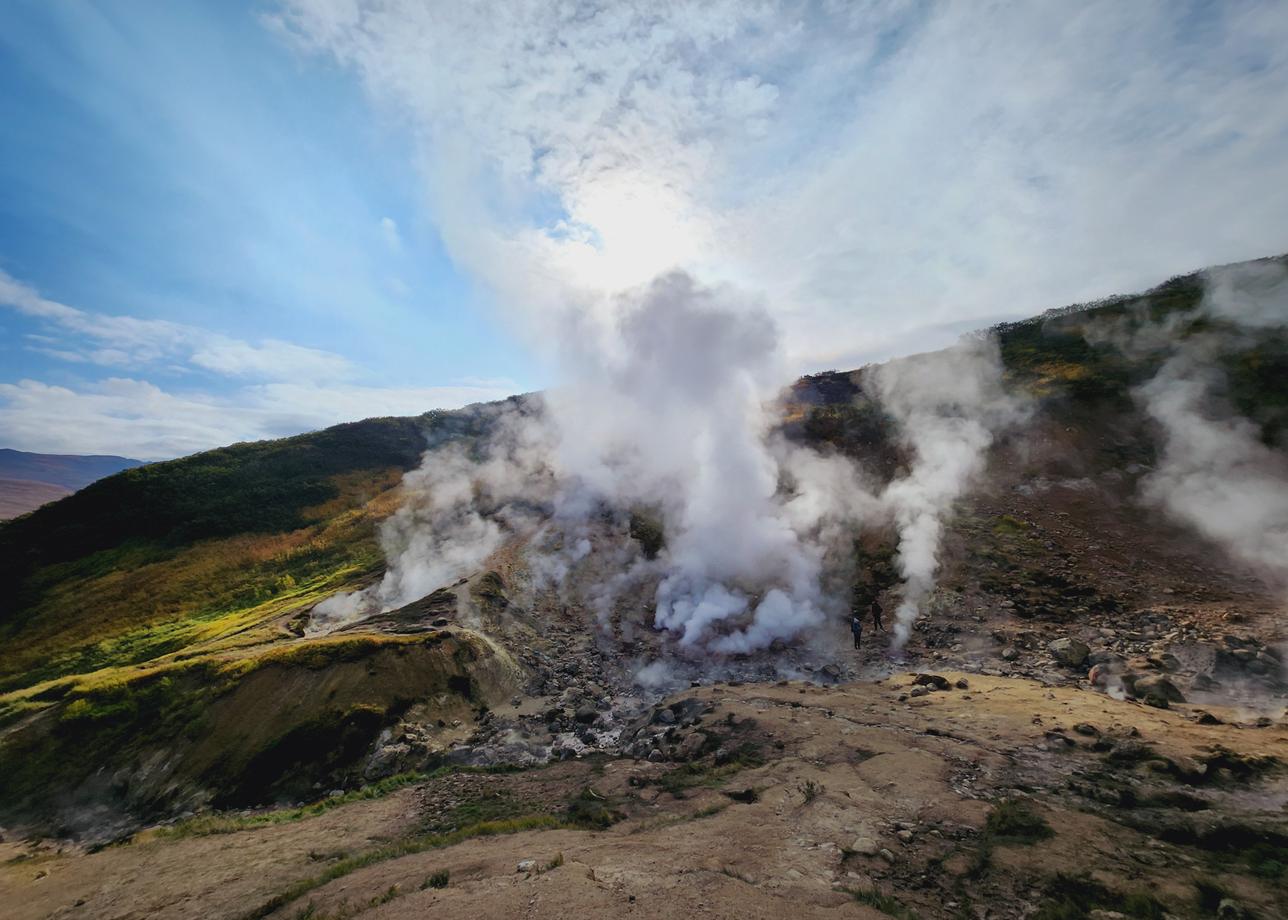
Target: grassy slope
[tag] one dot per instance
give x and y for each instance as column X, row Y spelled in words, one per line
column 155, row 559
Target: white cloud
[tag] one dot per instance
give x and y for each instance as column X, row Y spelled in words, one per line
column 389, row 230
column 138, row 419
column 872, row 168
column 133, row 344
column 279, row 388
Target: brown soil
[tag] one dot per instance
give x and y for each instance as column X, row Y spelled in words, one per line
column 917, row 775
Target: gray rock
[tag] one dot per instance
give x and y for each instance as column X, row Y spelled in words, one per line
column 1230, row 909
column 526, row 865
column 1159, row 687
column 865, row 846
column 1069, row 652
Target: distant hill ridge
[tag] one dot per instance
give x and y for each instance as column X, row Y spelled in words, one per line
column 71, row 471
column 28, row 480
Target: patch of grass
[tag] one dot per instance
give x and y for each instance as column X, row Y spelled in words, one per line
column 810, row 790
column 1008, row 526
column 1074, row 897
column 1011, row 821
column 406, row 847
column 437, row 879
column 887, row 904
column 592, row 811
column 1014, row 821
column 702, row 773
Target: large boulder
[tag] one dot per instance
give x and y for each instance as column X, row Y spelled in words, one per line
column 1071, row 653
column 1157, row 687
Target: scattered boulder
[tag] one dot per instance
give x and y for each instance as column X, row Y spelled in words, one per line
column 1069, row 652
column 1157, row 687
column 692, row 745
column 934, row 681
column 526, row 865
column 865, row 846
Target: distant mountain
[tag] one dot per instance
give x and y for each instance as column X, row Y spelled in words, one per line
column 18, row 496
column 28, row 481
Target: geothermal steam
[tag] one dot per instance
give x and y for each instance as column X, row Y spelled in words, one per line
column 667, row 403
column 1214, row 472
column 948, row 405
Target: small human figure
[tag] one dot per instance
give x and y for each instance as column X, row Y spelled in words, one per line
column 876, row 611
column 856, row 629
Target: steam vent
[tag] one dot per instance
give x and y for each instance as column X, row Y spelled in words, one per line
column 624, row 460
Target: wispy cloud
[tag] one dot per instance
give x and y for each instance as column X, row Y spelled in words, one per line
column 129, row 342
column 873, row 168
column 273, row 388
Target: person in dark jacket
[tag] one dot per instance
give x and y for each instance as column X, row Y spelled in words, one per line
column 856, row 629
column 876, row 612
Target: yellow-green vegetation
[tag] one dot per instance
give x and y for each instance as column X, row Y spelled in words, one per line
column 242, row 730
column 148, row 604
column 176, row 556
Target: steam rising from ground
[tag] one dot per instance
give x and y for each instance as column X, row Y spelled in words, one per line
column 1214, row 472
column 949, row 405
column 669, row 405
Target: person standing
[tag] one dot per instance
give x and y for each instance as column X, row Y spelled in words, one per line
column 856, row 629
column 876, row 612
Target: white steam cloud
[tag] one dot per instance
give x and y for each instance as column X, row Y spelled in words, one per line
column 1214, row 472
column 458, row 508
column 668, row 405
column 949, row 406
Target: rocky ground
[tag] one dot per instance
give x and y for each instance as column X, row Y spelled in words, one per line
column 943, row 795
column 1088, row 722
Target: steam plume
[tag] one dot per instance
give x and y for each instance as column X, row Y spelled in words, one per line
column 1214, row 472
column 949, row 405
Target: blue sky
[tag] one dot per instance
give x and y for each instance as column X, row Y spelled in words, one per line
column 186, row 165
column 224, row 220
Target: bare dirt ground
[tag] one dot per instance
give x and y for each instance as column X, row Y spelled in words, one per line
column 853, row 788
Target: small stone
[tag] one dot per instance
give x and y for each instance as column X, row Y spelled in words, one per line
column 904, row 836
column 918, row 691
column 962, row 684
column 1009, row 654
column 886, row 855
column 526, row 865
column 1230, row 909
column 865, row 846
column 1086, row 728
